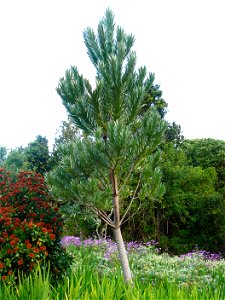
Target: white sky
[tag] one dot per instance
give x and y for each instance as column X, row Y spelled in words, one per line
column 181, row 41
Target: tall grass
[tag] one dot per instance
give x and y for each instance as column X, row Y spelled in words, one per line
column 90, row 286
column 95, row 278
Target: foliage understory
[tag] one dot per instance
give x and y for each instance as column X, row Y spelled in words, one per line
column 96, row 274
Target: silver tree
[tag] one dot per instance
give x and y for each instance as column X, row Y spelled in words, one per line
column 121, row 132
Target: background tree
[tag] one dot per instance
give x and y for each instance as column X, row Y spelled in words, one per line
column 190, row 213
column 119, row 137
column 16, row 161
column 208, row 153
column 34, row 157
column 3, row 154
column 173, row 134
column 37, row 154
column 154, row 99
column 66, row 134
column 191, row 202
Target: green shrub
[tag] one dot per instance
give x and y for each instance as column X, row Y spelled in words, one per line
column 30, row 227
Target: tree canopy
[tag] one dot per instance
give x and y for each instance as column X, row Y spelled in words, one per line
column 34, row 157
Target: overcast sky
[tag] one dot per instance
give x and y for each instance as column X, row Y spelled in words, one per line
column 181, row 41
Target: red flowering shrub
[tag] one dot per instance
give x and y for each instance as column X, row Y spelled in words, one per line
column 30, row 226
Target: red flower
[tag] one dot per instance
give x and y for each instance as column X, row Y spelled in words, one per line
column 15, row 250
column 9, row 251
column 20, row 262
column 13, row 236
column 1, row 265
column 4, row 277
column 44, row 230
column 52, row 236
column 29, row 246
column 13, row 243
column 30, row 224
column 23, row 200
column 36, row 250
column 31, row 255
column 43, row 248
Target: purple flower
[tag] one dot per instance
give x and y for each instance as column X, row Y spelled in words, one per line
column 202, row 253
column 70, row 240
column 107, row 244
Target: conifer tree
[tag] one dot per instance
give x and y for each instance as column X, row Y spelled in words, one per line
column 119, row 137
column 37, row 155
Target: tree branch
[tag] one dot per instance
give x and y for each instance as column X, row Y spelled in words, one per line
column 129, row 206
column 133, row 214
column 103, row 216
column 128, row 176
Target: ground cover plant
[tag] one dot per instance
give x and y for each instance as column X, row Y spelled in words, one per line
column 30, row 227
column 147, row 261
column 97, row 275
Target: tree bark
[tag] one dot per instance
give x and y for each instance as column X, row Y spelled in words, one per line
column 117, row 230
column 122, row 255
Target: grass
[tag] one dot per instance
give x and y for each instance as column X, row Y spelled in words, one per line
column 96, row 275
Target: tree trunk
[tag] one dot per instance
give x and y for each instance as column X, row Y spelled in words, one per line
column 117, row 230
column 122, row 255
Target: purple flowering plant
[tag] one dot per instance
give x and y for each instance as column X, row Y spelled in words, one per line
column 147, row 261
column 202, row 254
column 106, row 245
column 109, row 249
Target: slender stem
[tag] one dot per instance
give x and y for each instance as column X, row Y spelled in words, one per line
column 106, row 218
column 137, row 210
column 129, row 206
column 103, row 216
column 128, row 176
